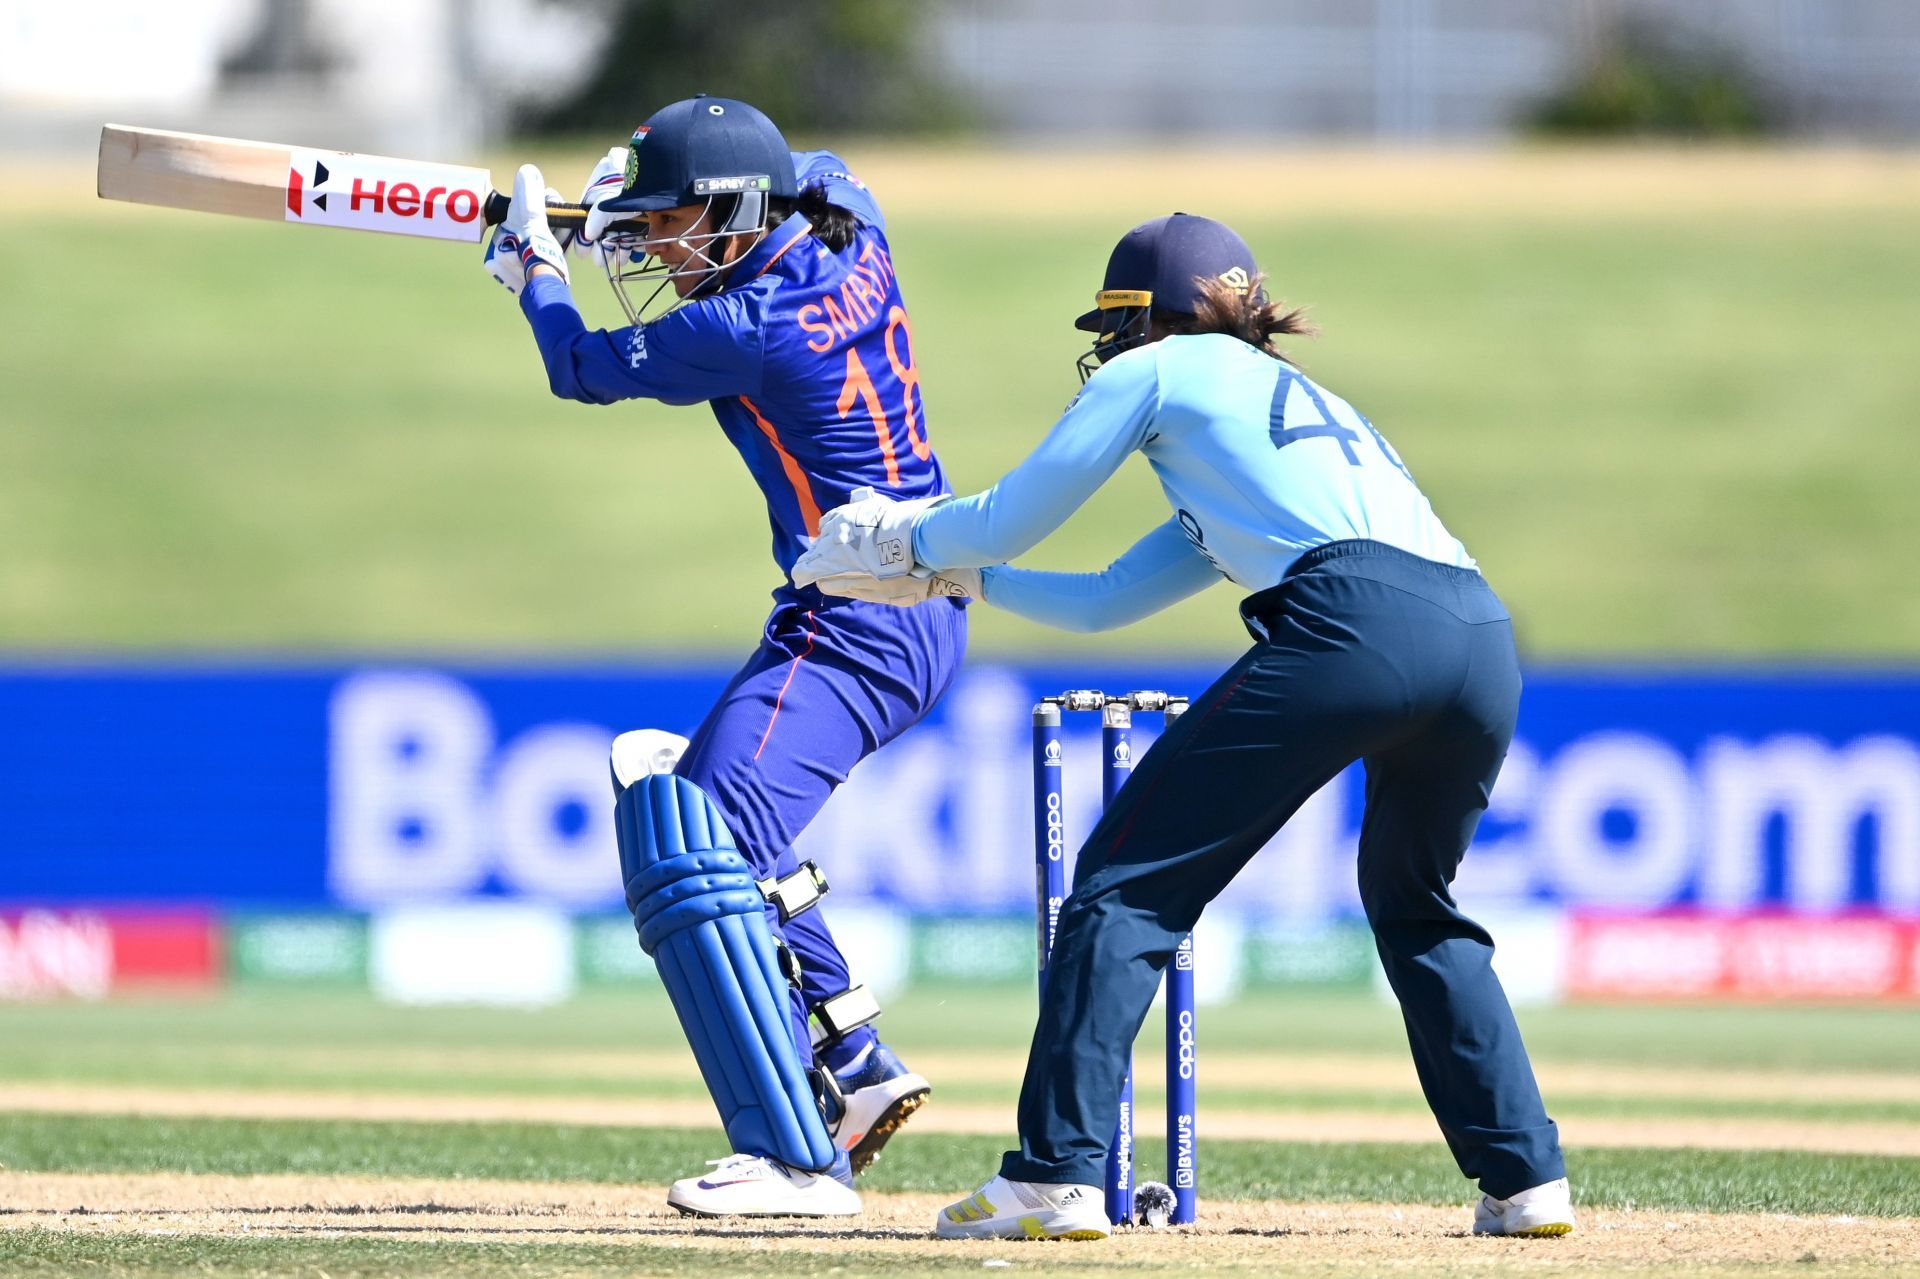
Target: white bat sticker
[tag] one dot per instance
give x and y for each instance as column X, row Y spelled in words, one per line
column 370, row 193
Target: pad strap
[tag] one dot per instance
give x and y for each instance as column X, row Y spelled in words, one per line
column 826, row 1090
column 798, row 893
column 840, row 1015
column 789, row 963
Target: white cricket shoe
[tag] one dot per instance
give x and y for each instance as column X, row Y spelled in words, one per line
column 755, row 1186
column 878, row 1095
column 1004, row 1209
column 1540, row 1212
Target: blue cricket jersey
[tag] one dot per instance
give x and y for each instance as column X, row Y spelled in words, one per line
column 1259, row 464
column 805, row 357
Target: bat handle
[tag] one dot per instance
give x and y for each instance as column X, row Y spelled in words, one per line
column 561, row 217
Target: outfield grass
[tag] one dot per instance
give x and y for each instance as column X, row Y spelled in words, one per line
column 38, row 1254
column 1799, row 1182
column 119, row 1040
column 243, row 436
column 626, row 1048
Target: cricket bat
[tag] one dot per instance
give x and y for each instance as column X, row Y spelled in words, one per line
column 301, row 185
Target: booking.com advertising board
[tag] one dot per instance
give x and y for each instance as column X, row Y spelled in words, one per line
column 1704, row 800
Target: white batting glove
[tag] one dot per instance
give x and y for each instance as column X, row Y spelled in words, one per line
column 608, row 178
column 524, row 240
column 872, row 535
column 916, row 587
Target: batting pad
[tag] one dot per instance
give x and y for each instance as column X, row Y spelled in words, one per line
column 703, row 920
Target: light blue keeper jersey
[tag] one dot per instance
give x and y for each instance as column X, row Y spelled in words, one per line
column 1259, row 464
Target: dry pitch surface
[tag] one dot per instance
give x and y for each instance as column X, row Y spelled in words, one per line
column 1316, row 1238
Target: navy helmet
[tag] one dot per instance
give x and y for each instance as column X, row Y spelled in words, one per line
column 703, row 148
column 715, row 153
column 1160, row 266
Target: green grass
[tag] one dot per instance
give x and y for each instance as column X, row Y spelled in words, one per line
column 269, row 1072
column 122, row 1040
column 34, row 1254
column 1704, row 1181
column 351, row 1043
column 231, row 435
column 38, row 1254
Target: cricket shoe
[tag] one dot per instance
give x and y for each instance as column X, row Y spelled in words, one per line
column 1004, row 1209
column 1542, row 1211
column 755, row 1186
column 877, row 1095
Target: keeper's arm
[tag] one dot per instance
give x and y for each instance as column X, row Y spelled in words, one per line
column 1107, row 421
column 1160, row 569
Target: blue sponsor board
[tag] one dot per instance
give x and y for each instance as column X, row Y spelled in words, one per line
column 253, row 787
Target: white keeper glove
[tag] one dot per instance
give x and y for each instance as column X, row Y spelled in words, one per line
column 916, row 587
column 608, row 178
column 872, row 536
column 524, row 240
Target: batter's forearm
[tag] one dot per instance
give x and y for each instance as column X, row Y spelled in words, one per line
column 566, row 345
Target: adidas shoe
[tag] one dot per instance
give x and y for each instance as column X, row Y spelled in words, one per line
column 1542, row 1211
column 1004, row 1209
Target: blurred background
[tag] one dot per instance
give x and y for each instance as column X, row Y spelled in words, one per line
column 317, row 612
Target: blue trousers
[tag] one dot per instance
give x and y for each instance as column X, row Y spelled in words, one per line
column 832, row 681
column 1363, row 652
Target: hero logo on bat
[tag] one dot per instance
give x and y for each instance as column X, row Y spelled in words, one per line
column 367, row 193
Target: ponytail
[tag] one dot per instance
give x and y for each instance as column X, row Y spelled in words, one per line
column 1244, row 313
column 833, row 226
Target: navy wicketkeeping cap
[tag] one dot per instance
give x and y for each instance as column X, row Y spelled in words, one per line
column 1160, row 263
column 703, row 147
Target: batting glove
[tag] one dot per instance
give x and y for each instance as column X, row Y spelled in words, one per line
column 524, row 240
column 608, row 178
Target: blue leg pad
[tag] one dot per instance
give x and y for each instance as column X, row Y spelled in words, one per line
column 702, row 918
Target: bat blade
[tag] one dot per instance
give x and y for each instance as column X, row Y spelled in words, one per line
column 301, row 185
column 190, row 171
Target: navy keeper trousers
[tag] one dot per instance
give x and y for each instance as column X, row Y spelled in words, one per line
column 1363, row 652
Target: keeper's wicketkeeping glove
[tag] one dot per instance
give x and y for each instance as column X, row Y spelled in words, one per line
column 916, row 587
column 872, row 535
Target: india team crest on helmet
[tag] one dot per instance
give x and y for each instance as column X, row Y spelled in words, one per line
column 633, row 156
